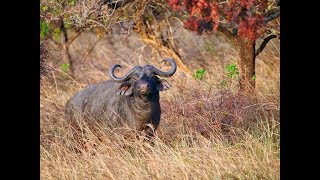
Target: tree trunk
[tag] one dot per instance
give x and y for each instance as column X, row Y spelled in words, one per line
column 65, row 48
column 64, row 42
column 246, row 64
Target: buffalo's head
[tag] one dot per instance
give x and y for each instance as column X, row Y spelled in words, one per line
column 143, row 81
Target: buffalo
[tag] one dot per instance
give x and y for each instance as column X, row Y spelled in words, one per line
column 131, row 100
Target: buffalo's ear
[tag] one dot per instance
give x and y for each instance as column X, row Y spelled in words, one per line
column 163, row 85
column 125, row 89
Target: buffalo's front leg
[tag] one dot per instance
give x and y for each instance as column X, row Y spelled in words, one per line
column 149, row 133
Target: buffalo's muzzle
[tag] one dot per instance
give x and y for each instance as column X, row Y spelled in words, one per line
column 143, row 88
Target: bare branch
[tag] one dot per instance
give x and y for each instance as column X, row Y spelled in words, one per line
column 272, row 14
column 264, row 43
column 114, row 4
column 75, row 37
column 225, row 24
column 94, row 44
column 223, row 27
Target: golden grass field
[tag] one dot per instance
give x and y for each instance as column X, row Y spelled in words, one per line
column 206, row 131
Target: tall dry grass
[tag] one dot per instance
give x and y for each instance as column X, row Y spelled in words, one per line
column 206, row 132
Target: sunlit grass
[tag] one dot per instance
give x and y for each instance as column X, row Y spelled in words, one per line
column 206, row 132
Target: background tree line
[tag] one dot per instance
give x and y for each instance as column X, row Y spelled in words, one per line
column 242, row 21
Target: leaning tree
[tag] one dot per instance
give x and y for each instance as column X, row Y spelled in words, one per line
column 58, row 18
column 243, row 21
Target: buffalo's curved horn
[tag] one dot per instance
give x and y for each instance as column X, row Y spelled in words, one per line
column 126, row 77
column 168, row 73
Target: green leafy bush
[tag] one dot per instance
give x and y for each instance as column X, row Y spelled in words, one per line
column 232, row 70
column 65, row 67
column 44, row 28
column 199, row 74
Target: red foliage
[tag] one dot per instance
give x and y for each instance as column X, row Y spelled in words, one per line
column 251, row 28
column 204, row 15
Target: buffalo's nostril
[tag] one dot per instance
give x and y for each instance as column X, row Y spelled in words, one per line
column 144, row 86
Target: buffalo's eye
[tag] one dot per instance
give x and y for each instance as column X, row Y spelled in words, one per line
column 157, row 80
